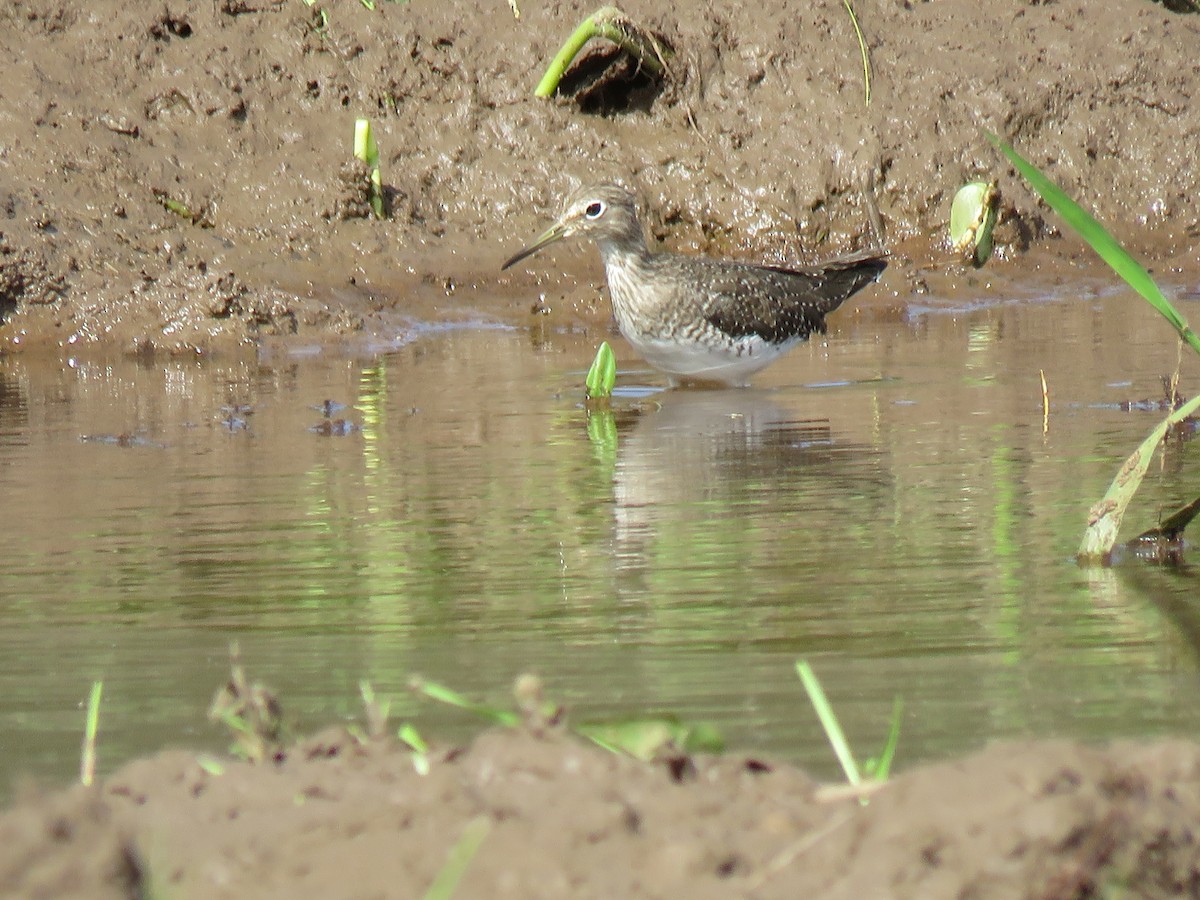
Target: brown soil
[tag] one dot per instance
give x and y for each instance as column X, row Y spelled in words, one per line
column 339, row 818
column 239, row 113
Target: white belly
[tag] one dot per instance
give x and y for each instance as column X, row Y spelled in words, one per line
column 732, row 364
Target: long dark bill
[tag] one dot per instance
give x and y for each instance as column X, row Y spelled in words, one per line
column 549, row 236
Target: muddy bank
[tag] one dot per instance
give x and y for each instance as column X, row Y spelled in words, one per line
column 174, row 175
column 557, row 818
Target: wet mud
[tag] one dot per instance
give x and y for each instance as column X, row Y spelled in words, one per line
column 556, row 818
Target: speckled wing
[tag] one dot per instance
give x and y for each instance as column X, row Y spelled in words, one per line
column 780, row 304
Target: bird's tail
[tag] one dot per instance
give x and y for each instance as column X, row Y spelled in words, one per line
column 844, row 276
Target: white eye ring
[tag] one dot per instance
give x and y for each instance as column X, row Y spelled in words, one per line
column 595, row 209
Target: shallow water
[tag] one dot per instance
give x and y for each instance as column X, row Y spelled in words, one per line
column 890, row 504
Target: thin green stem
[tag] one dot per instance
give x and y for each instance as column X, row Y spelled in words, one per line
column 862, row 49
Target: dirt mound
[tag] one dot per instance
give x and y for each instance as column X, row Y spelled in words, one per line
column 151, row 148
column 557, row 818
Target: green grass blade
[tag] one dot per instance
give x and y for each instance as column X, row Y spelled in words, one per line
column 833, row 731
column 883, row 765
column 450, row 697
column 461, row 854
column 1117, row 257
column 87, row 765
column 409, row 735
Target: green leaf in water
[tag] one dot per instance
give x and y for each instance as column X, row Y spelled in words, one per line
column 602, row 431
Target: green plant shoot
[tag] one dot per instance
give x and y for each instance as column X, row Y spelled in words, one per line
column 367, row 150
column 603, row 374
column 610, row 23
column 646, row 739
column 210, row 766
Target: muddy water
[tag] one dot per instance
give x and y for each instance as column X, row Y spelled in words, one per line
column 890, row 504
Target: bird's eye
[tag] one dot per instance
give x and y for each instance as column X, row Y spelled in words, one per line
column 595, row 209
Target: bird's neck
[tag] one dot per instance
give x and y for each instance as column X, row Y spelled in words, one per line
column 628, row 269
column 624, row 251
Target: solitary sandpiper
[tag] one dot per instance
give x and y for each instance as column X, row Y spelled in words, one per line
column 699, row 319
